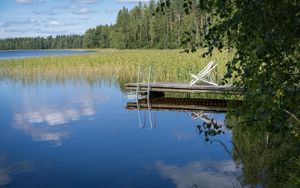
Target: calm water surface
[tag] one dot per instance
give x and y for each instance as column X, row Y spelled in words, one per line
column 73, row 134
column 37, row 53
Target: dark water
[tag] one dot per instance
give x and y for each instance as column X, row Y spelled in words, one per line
column 37, row 53
column 72, row 134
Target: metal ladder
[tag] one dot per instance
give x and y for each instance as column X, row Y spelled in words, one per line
column 148, row 99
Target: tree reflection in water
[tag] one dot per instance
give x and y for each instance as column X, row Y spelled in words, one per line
column 210, row 127
column 268, row 157
column 267, row 153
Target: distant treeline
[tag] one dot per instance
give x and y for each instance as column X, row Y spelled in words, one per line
column 144, row 26
column 58, row 42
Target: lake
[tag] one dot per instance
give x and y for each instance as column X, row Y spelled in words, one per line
column 74, row 134
column 8, row 54
column 69, row 122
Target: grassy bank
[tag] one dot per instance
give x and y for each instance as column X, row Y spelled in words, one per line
column 167, row 65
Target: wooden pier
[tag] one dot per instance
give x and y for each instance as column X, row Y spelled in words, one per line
column 180, row 104
column 180, row 88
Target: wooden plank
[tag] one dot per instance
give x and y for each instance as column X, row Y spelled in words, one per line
column 161, row 107
column 183, row 88
column 176, row 85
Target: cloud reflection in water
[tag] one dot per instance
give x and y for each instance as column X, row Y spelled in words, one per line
column 202, row 174
column 8, row 170
column 54, row 116
column 41, row 122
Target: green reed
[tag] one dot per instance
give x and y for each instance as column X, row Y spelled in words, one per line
column 166, row 65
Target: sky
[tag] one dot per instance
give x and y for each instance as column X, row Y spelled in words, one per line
column 31, row 18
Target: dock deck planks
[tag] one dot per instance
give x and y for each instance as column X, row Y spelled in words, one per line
column 182, row 88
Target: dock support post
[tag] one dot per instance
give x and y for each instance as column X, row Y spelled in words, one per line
column 137, row 96
column 137, row 83
column 148, row 97
column 149, row 79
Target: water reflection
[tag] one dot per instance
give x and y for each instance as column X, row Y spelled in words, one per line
column 206, row 113
column 179, row 104
column 202, row 109
column 41, row 117
column 41, row 133
column 181, row 135
column 268, row 155
column 54, row 115
column 39, row 123
column 7, row 171
column 210, row 126
column 208, row 174
column 114, row 154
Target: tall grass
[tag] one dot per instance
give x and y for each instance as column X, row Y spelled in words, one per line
column 167, row 65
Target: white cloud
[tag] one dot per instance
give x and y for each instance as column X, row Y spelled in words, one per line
column 55, row 23
column 17, row 30
column 82, row 11
column 30, row 1
column 31, row 21
column 131, row 1
column 43, row 32
column 24, row 1
column 53, row 12
column 84, row 18
column 87, row 1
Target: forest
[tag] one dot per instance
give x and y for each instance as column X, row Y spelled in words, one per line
column 144, row 26
column 58, row 42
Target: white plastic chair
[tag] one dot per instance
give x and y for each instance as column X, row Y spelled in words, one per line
column 204, row 72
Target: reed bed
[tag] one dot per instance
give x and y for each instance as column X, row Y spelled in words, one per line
column 122, row 65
